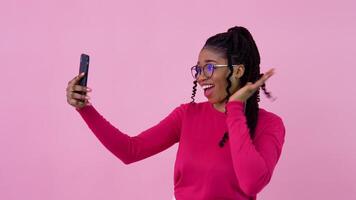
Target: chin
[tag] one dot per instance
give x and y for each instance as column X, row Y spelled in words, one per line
column 211, row 101
column 214, row 100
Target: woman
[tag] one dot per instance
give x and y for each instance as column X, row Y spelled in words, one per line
column 228, row 146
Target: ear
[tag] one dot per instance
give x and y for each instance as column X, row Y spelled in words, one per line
column 239, row 71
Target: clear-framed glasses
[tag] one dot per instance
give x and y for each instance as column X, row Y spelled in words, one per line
column 208, row 70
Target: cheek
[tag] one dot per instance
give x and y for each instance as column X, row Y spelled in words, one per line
column 220, row 84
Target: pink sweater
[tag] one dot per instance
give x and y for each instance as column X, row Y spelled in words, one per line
column 203, row 170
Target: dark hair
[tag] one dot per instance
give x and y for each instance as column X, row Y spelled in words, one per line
column 238, row 47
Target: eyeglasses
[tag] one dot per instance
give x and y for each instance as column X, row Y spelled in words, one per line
column 208, row 70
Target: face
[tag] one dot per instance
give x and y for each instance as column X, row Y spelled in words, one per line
column 217, row 93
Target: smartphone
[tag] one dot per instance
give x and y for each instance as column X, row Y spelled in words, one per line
column 84, row 67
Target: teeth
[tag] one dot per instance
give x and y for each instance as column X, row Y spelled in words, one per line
column 207, row 86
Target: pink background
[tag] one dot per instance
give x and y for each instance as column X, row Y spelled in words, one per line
column 141, row 53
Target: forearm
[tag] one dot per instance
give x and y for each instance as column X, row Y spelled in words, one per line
column 112, row 138
column 249, row 165
column 253, row 160
column 132, row 149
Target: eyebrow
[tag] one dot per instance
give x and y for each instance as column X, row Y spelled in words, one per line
column 208, row 61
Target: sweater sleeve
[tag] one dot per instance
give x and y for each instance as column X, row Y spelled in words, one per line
column 253, row 160
column 130, row 149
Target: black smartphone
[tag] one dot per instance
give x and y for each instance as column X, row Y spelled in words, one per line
column 84, row 67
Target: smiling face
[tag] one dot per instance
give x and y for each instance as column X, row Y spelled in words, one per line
column 217, row 93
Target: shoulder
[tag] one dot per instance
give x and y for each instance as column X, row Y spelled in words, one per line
column 196, row 106
column 193, row 105
column 192, row 108
column 266, row 115
column 268, row 120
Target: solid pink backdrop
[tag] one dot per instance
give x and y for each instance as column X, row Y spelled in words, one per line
column 141, row 53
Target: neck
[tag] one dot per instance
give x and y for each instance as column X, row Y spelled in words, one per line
column 220, row 106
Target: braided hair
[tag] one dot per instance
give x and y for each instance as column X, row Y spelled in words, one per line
column 238, row 47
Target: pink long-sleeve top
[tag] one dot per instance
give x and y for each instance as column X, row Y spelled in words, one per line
column 203, row 170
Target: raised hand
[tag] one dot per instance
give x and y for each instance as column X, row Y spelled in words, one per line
column 74, row 98
column 247, row 91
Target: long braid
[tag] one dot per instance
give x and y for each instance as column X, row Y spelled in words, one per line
column 239, row 47
column 228, row 80
column 194, row 91
column 229, row 64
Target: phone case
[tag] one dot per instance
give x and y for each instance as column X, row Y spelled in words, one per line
column 84, row 67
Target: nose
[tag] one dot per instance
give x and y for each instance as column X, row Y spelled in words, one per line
column 201, row 77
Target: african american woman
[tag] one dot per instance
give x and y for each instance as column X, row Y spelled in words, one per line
column 228, row 146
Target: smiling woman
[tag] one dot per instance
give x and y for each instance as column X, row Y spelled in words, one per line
column 228, row 146
column 237, row 54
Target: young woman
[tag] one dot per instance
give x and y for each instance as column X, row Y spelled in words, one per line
column 228, row 146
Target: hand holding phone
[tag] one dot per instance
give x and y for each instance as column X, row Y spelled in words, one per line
column 77, row 89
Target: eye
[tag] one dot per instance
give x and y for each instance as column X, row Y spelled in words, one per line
column 210, row 67
column 197, row 68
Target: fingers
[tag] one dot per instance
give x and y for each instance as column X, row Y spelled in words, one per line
column 269, row 73
column 77, row 94
column 74, row 95
column 264, row 78
column 76, row 79
column 78, row 88
column 78, row 103
column 245, row 92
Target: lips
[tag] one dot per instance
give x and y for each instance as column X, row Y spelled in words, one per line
column 207, row 86
column 208, row 91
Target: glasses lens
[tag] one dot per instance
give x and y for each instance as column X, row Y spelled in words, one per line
column 195, row 71
column 209, row 69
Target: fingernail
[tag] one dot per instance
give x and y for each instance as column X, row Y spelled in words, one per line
column 87, row 97
column 88, row 89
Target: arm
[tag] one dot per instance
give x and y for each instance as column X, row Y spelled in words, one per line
column 131, row 149
column 253, row 161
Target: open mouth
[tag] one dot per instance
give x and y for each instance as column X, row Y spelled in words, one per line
column 208, row 89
